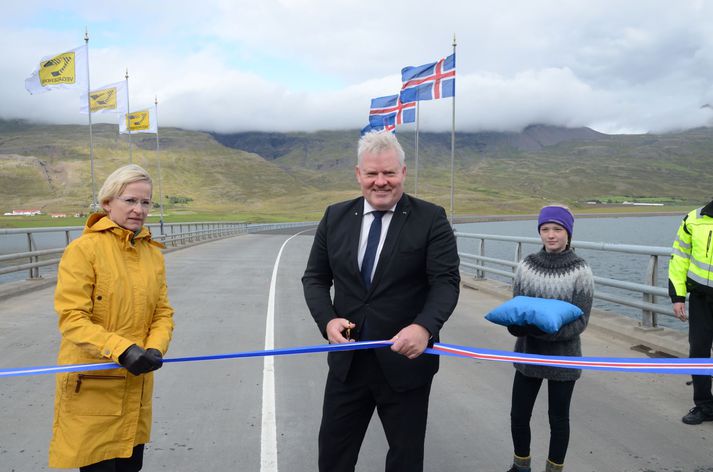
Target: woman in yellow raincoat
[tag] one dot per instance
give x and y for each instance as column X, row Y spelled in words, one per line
column 112, row 303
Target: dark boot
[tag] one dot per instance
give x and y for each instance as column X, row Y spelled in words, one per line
column 697, row 415
column 552, row 467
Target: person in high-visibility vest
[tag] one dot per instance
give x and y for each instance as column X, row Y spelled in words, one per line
column 690, row 272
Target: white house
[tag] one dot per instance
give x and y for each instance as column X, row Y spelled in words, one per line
column 24, row 212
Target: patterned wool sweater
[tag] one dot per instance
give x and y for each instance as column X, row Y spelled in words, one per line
column 562, row 276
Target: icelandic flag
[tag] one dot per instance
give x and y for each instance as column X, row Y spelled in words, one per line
column 391, row 111
column 371, row 127
column 429, row 81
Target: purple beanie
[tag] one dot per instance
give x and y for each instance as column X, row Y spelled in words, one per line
column 556, row 214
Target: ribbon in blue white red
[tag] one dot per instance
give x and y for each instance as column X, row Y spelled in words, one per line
column 703, row 366
column 698, row 366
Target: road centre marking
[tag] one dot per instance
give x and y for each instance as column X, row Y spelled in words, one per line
column 268, row 441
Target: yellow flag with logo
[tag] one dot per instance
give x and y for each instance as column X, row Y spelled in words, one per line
column 141, row 121
column 66, row 70
column 102, row 100
column 138, row 121
column 108, row 99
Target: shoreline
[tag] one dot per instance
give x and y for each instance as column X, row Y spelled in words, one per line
column 533, row 216
column 20, row 222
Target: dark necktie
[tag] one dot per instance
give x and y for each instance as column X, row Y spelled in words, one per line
column 372, row 243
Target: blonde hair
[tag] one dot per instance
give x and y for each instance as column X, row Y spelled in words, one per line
column 115, row 184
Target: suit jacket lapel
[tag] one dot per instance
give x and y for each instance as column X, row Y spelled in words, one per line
column 398, row 219
column 353, row 232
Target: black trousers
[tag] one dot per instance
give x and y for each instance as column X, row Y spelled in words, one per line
column 700, row 341
column 120, row 464
column 348, row 408
column 559, row 397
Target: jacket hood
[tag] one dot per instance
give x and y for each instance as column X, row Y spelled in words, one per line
column 708, row 209
column 99, row 222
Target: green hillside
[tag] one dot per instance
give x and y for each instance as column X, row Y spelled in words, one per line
column 48, row 167
column 512, row 172
column 267, row 176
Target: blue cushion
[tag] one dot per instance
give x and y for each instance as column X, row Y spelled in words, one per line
column 548, row 315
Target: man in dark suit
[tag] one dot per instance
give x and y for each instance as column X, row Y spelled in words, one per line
column 394, row 264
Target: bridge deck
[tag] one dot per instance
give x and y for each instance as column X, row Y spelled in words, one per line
column 209, row 415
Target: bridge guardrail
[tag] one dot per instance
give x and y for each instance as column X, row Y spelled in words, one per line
column 170, row 234
column 176, row 234
column 259, row 227
column 648, row 305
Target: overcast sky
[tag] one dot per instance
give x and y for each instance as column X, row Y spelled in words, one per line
column 304, row 65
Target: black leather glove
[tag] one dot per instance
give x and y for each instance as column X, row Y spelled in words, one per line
column 138, row 361
column 157, row 357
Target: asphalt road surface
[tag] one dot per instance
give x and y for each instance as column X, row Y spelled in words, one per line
column 217, row 415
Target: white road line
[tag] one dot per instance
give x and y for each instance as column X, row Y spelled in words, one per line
column 268, row 442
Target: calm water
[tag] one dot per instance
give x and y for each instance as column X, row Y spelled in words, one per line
column 13, row 243
column 643, row 230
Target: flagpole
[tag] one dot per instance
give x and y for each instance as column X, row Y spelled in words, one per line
column 94, row 207
column 158, row 160
column 126, row 117
column 415, row 177
column 453, row 139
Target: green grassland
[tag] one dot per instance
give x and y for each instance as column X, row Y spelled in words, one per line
column 293, row 176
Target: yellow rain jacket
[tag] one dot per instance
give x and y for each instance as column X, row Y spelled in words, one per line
column 111, row 293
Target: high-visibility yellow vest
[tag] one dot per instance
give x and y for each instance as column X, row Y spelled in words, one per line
column 692, row 256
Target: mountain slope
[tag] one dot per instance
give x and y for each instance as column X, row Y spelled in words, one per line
column 294, row 175
column 49, row 167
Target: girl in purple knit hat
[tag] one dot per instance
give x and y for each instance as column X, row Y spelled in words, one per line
column 554, row 272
